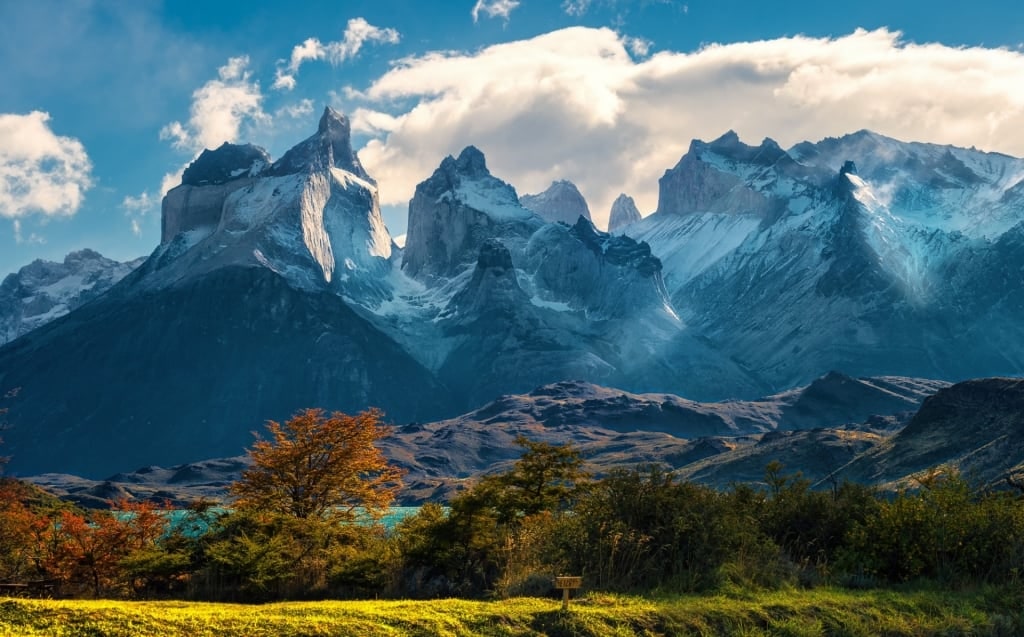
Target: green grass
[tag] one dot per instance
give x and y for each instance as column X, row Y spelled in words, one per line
column 782, row 613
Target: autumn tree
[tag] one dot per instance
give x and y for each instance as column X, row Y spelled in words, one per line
column 316, row 466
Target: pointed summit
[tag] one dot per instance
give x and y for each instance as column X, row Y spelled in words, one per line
column 562, row 201
column 471, row 162
column 623, row 213
column 330, row 147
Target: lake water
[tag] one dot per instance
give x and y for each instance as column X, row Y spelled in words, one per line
column 390, row 519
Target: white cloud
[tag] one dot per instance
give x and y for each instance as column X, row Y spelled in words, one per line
column 219, row 109
column 40, row 172
column 574, row 104
column 141, row 204
column 138, row 207
column 32, row 238
column 357, row 33
column 494, row 8
column 172, row 179
column 294, row 111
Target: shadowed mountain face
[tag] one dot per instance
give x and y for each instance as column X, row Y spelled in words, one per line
column 193, row 369
column 974, row 426
column 276, row 286
column 712, row 442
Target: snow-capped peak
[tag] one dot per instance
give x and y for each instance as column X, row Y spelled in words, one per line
column 45, row 290
column 561, row 202
column 313, row 217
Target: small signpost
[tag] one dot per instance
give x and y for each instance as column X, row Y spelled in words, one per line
column 567, row 583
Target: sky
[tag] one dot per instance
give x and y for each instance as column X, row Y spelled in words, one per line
column 105, row 102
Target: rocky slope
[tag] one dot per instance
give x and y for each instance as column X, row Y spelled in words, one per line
column 277, row 286
column 974, row 427
column 225, row 325
column 713, row 442
column 860, row 253
column 45, row 290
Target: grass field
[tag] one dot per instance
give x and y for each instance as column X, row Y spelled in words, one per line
column 783, row 613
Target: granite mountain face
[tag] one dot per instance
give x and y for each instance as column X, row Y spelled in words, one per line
column 45, row 290
column 860, row 253
column 277, row 286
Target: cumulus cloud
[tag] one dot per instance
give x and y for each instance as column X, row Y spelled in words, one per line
column 219, row 108
column 575, row 104
column 40, row 172
column 357, row 33
column 494, row 8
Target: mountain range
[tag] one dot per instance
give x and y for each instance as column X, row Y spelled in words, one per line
column 45, row 290
column 610, row 427
column 277, row 286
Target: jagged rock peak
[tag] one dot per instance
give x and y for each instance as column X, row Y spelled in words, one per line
column 849, row 168
column 330, row 147
column 472, row 161
column 617, row 250
column 561, row 202
column 730, row 147
column 229, row 161
column 623, row 213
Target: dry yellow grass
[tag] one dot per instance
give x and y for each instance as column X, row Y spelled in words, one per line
column 796, row 613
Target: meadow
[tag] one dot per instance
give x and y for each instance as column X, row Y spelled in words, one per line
column 794, row 612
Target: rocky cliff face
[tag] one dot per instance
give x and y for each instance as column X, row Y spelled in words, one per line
column 313, row 217
column 229, row 322
column 277, row 287
column 725, row 176
column 561, row 202
column 623, row 213
column 603, row 275
column 844, row 254
column 45, row 290
column 455, row 211
column 196, row 205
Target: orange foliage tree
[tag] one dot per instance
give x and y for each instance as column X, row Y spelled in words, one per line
column 90, row 551
column 317, row 466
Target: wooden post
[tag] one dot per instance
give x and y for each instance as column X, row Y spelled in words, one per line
column 567, row 583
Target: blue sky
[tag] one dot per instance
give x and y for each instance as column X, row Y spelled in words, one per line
column 105, row 102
